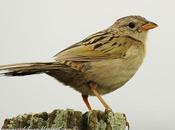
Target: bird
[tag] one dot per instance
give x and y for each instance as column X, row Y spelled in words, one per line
column 99, row 64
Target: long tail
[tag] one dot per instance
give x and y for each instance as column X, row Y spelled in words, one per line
column 30, row 68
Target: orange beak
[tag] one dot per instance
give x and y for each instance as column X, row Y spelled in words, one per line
column 148, row 26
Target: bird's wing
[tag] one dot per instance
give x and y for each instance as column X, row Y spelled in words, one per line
column 100, row 46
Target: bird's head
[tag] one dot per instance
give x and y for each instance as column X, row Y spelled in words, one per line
column 133, row 26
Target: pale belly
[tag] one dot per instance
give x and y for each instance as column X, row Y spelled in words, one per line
column 108, row 74
column 112, row 74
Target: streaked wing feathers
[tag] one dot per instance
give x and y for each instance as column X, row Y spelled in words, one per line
column 102, row 45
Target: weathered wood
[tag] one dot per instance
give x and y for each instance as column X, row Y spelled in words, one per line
column 69, row 120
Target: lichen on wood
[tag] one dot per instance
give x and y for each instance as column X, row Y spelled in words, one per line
column 69, row 120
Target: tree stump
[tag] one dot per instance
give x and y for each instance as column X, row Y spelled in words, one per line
column 68, row 120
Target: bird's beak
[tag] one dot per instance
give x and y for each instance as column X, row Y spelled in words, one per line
column 148, row 26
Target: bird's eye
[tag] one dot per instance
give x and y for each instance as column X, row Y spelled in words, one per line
column 131, row 25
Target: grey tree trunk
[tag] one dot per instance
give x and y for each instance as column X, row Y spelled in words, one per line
column 69, row 120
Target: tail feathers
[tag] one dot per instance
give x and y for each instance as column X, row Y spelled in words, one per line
column 29, row 68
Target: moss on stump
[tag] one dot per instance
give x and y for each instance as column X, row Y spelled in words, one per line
column 68, row 120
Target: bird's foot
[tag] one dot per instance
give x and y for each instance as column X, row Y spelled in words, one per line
column 108, row 110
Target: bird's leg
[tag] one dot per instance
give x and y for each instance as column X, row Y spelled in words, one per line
column 93, row 87
column 85, row 99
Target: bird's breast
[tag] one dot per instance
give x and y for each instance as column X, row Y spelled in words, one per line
column 113, row 73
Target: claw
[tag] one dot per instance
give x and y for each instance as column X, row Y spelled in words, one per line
column 108, row 110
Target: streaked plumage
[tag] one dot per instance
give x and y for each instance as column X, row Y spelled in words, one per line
column 108, row 58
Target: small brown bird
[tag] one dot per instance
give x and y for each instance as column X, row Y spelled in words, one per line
column 99, row 64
